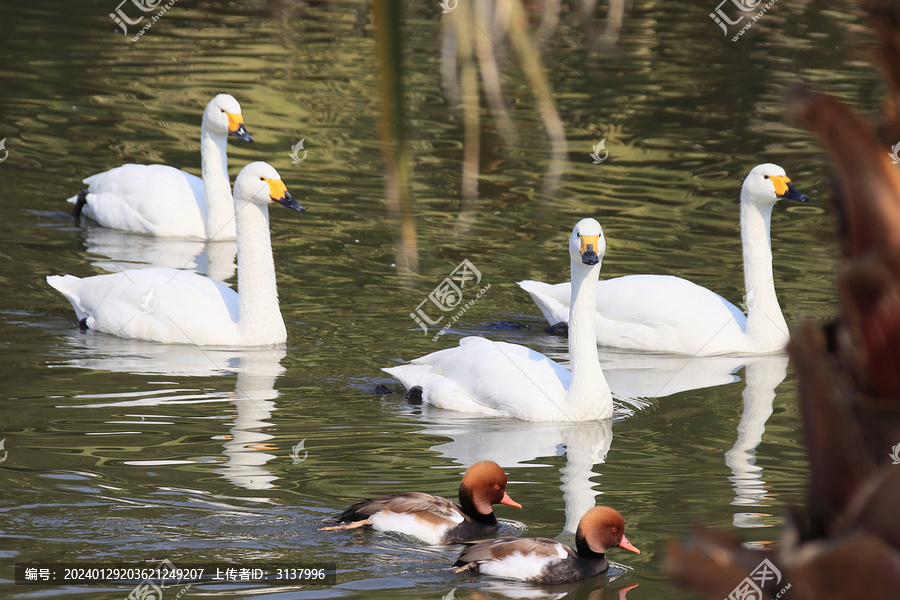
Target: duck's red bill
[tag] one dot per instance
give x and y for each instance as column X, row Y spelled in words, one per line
column 626, row 545
column 509, row 501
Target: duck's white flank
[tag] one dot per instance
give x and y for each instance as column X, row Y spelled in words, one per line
column 517, row 565
column 428, row 531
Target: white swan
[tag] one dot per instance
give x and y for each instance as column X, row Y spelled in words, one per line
column 669, row 314
column 173, row 306
column 500, row 379
column 165, row 201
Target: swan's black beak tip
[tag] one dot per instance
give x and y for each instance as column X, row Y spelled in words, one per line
column 793, row 194
column 590, row 258
column 242, row 134
column 288, row 202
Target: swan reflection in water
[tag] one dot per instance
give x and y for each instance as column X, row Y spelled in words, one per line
column 633, row 378
column 247, row 444
column 120, row 250
column 761, row 378
column 254, row 395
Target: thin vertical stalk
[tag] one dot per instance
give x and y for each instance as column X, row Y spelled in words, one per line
column 392, row 130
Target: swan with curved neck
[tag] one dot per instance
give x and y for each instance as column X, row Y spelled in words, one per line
column 501, row 379
column 164, row 201
column 173, row 306
column 663, row 313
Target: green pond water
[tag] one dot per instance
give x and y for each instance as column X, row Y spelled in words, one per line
column 124, row 452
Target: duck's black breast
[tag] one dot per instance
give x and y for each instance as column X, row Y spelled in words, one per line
column 470, row 528
column 571, row 569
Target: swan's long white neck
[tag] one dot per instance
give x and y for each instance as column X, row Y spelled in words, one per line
column 588, row 396
column 259, row 314
column 219, row 204
column 766, row 326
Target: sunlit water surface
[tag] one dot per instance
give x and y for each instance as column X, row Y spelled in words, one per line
column 120, row 451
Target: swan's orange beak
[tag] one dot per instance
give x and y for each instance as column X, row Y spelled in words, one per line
column 278, row 193
column 589, row 244
column 785, row 189
column 780, row 183
column 236, row 126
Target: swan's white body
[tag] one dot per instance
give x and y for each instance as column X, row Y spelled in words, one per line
column 173, row 306
column 164, row 201
column 669, row 314
column 501, row 379
column 656, row 313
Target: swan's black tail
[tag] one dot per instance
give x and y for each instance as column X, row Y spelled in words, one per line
column 79, row 204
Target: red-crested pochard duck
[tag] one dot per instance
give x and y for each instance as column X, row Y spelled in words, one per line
column 542, row 560
column 433, row 519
